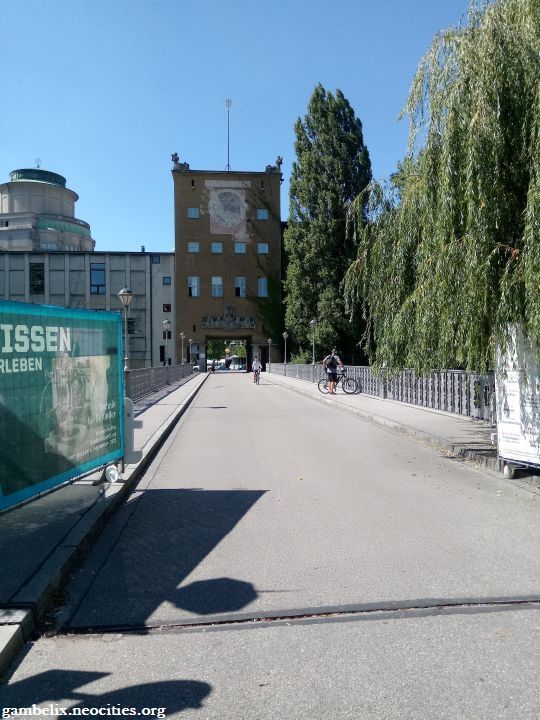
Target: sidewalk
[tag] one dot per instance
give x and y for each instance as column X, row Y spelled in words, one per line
column 37, row 553
column 459, row 436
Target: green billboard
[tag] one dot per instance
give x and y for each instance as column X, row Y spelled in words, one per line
column 61, row 396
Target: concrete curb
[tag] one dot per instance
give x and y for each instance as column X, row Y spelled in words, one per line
column 18, row 622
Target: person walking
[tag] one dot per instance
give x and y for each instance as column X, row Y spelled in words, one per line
column 256, row 368
column 330, row 364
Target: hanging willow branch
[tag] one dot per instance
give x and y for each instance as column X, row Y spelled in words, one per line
column 451, row 250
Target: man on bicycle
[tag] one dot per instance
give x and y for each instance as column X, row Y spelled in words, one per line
column 330, row 364
column 256, row 368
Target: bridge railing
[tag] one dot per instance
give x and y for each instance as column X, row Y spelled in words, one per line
column 144, row 381
column 457, row 391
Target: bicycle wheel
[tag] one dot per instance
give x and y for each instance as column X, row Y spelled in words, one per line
column 323, row 385
column 350, row 386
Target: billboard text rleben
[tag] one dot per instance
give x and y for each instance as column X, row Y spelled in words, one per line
column 60, row 396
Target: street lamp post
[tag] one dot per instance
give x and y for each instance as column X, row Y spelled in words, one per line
column 125, row 296
column 269, row 354
column 190, row 358
column 166, row 328
column 313, row 325
column 285, row 336
column 182, row 338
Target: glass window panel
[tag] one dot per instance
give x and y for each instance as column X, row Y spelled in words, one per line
column 240, row 287
column 217, row 287
column 193, row 286
column 97, row 278
column 37, row 278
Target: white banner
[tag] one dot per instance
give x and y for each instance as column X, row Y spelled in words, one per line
column 517, row 385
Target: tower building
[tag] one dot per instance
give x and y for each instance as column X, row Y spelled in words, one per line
column 228, row 258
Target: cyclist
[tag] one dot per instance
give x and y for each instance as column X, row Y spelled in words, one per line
column 330, row 364
column 256, row 368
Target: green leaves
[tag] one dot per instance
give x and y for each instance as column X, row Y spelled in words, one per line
column 450, row 251
column 332, row 167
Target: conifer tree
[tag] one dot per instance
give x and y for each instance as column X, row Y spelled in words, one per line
column 332, row 167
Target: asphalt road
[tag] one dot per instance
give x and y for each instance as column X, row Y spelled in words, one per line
column 355, row 574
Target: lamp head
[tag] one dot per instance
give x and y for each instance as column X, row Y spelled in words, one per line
column 125, row 296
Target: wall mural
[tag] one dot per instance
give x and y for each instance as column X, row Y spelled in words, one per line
column 227, row 208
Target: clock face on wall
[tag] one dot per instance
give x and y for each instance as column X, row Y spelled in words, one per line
column 226, row 208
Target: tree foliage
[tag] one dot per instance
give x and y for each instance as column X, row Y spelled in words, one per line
column 451, row 249
column 332, row 167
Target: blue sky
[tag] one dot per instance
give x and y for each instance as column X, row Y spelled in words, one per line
column 103, row 91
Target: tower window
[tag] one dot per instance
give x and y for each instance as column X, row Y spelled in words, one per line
column 217, row 287
column 240, row 287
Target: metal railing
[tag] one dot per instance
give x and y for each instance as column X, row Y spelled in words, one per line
column 144, row 381
column 456, row 391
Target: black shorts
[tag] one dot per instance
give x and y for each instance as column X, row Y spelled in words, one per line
column 332, row 377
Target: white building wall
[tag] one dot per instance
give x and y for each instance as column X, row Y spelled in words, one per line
column 162, row 266
column 67, row 283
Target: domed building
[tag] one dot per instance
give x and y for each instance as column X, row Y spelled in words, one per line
column 37, row 213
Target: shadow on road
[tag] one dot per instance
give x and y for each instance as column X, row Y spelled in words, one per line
column 62, row 686
column 153, row 544
column 209, row 597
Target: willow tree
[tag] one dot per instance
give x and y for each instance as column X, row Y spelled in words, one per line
column 331, row 168
column 451, row 250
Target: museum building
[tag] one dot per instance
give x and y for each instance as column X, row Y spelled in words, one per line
column 47, row 257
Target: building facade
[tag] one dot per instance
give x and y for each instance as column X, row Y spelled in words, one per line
column 92, row 281
column 37, row 212
column 228, row 258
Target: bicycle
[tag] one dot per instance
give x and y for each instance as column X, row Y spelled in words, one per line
column 349, row 385
column 257, row 374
